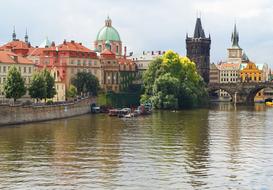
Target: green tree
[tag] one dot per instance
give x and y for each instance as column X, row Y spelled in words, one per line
column 50, row 84
column 71, row 92
column 14, row 86
column 37, row 89
column 172, row 82
column 86, row 83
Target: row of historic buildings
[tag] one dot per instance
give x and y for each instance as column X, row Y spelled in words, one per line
column 108, row 61
column 236, row 68
column 116, row 70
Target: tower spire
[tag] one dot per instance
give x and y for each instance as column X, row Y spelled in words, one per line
column 13, row 34
column 198, row 31
column 235, row 37
column 26, row 36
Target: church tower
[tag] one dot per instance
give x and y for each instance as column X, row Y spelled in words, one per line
column 235, row 53
column 198, row 50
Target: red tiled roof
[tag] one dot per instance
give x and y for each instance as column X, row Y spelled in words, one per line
column 107, row 54
column 73, row 46
column 17, row 44
column 36, row 51
column 125, row 61
column 10, row 58
column 228, row 66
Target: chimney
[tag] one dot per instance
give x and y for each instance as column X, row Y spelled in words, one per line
column 159, row 52
column 64, row 41
column 125, row 51
column 72, row 41
column 80, row 43
column 143, row 52
column 152, row 52
column 53, row 44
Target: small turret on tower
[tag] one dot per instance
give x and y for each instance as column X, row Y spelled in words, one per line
column 108, row 22
column 26, row 37
column 13, row 34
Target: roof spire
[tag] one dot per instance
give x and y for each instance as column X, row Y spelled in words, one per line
column 198, row 31
column 13, row 34
column 26, row 36
column 108, row 22
column 235, row 37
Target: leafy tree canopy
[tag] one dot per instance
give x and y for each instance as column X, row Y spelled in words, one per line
column 172, row 82
column 42, row 85
column 86, row 83
column 14, row 86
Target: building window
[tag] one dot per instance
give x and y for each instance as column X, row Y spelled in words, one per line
column 79, row 62
column 90, row 62
column 117, row 49
column 29, row 70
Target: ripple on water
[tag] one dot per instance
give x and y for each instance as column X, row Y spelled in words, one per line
column 221, row 148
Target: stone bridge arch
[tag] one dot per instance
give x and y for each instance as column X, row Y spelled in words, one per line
column 255, row 89
column 214, row 87
column 243, row 93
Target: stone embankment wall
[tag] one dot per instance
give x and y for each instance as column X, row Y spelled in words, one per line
column 26, row 114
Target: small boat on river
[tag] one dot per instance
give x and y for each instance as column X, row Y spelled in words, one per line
column 269, row 104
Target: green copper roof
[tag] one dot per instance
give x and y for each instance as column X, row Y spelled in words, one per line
column 108, row 32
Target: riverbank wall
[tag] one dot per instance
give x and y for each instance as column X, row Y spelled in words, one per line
column 10, row 115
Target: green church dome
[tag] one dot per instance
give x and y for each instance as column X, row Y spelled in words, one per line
column 108, row 33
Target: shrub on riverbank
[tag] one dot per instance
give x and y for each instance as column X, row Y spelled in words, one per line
column 172, row 82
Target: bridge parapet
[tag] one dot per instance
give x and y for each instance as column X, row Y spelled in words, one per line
column 241, row 92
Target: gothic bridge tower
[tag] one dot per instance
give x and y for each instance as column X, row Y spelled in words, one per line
column 198, row 50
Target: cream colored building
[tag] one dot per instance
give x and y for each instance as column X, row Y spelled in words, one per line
column 59, row 86
column 24, row 65
column 228, row 73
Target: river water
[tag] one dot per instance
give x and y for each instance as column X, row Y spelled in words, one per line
column 224, row 147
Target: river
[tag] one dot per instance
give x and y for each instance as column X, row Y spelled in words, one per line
column 224, row 147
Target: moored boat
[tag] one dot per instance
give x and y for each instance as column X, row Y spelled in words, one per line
column 269, row 103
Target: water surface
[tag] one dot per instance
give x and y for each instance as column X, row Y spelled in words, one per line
column 224, row 147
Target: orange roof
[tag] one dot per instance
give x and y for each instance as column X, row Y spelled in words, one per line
column 16, row 44
column 10, row 58
column 73, row 46
column 107, row 54
column 224, row 66
column 36, row 51
column 125, row 61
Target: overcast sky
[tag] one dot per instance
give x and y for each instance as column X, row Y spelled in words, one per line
column 145, row 24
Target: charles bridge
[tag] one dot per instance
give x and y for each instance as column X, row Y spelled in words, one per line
column 242, row 92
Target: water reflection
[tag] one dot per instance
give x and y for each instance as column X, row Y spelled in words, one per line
column 224, row 146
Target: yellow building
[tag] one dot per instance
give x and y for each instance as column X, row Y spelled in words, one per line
column 250, row 72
